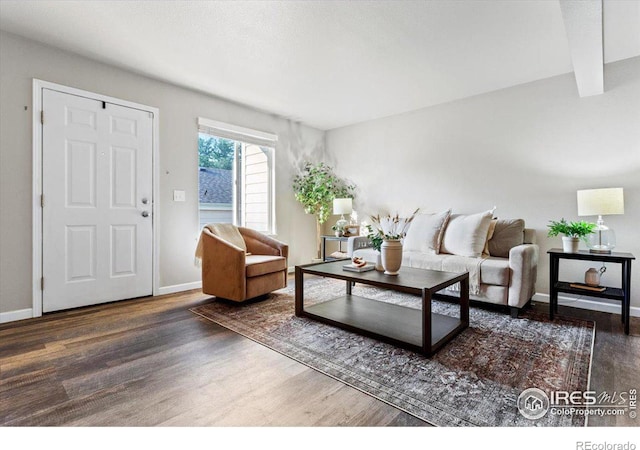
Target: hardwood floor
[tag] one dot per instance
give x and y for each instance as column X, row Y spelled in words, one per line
column 150, row 361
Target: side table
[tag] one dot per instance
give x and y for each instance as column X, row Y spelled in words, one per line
column 623, row 294
column 326, row 238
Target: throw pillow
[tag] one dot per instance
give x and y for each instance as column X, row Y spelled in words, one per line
column 425, row 232
column 492, row 228
column 508, row 234
column 466, row 235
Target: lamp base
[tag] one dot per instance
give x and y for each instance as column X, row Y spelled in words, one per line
column 342, row 223
column 602, row 240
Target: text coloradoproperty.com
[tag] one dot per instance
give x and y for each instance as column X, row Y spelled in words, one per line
column 570, row 411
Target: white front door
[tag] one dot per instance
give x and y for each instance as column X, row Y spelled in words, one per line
column 97, row 197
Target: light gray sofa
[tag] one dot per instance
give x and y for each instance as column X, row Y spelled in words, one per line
column 506, row 276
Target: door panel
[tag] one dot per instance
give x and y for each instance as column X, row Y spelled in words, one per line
column 123, row 177
column 123, row 250
column 97, row 165
column 80, row 174
column 80, row 249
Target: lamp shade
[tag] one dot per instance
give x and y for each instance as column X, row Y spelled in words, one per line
column 600, row 202
column 342, row 205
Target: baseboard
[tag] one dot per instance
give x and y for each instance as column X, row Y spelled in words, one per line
column 164, row 290
column 12, row 316
column 587, row 303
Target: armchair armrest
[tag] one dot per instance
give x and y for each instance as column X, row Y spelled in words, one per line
column 523, row 261
column 261, row 244
column 357, row 242
column 223, row 267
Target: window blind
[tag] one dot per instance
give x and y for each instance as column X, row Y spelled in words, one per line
column 236, row 133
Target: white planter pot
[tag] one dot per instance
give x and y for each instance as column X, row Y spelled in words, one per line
column 391, row 255
column 379, row 266
column 570, row 244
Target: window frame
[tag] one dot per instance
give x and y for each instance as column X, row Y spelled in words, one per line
column 245, row 136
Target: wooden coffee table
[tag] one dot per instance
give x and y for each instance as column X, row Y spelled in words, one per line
column 419, row 330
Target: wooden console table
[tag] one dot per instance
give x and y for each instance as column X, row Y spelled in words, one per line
column 622, row 295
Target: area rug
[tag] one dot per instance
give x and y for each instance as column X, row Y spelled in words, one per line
column 475, row 380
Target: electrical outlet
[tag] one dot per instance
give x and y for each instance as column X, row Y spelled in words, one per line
column 179, row 196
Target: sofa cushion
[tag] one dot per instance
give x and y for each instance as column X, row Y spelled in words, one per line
column 489, row 293
column 425, row 232
column 446, row 263
column 507, row 234
column 368, row 254
column 465, row 235
column 257, row 265
column 495, row 271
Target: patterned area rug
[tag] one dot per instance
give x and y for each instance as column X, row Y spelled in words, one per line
column 474, row 380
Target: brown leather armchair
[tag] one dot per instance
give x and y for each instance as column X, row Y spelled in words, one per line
column 231, row 273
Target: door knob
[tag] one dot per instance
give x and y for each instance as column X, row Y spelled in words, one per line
column 145, row 213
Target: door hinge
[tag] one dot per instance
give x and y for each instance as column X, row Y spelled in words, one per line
column 42, row 283
column 42, row 200
column 42, row 117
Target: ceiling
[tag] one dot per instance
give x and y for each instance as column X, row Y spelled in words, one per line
column 325, row 63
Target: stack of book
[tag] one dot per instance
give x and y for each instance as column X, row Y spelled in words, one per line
column 587, row 287
column 352, row 268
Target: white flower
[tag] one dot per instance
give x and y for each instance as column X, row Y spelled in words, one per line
column 392, row 227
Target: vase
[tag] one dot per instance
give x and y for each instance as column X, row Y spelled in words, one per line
column 570, row 244
column 379, row 266
column 592, row 277
column 391, row 256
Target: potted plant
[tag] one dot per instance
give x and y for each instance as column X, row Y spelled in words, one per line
column 572, row 233
column 315, row 188
column 376, row 243
column 339, row 231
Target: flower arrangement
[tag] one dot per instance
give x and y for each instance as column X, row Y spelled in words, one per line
column 391, row 227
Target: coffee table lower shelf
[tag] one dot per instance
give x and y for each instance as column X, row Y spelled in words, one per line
column 396, row 324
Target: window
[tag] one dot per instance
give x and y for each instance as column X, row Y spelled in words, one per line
column 236, row 173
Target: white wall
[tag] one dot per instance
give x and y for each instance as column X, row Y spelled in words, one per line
column 525, row 149
column 22, row 60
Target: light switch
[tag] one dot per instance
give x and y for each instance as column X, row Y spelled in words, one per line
column 178, row 196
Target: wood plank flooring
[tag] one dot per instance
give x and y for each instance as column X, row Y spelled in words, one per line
column 151, row 362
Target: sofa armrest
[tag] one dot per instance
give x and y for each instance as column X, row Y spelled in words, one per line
column 223, row 268
column 523, row 261
column 357, row 242
column 261, row 244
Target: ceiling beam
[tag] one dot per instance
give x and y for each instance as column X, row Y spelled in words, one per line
column 583, row 24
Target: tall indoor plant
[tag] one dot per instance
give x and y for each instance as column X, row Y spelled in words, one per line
column 572, row 233
column 315, row 188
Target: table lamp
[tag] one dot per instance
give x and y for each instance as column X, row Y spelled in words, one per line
column 342, row 206
column 601, row 202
